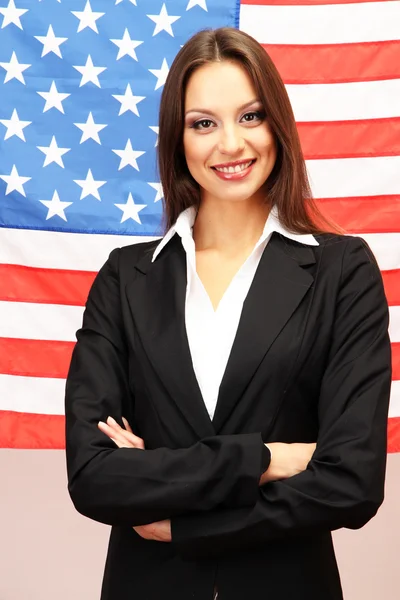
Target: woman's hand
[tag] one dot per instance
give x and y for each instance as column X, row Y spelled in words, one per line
column 124, row 438
column 160, row 531
column 287, row 460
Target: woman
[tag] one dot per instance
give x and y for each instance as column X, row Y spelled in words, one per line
column 244, row 357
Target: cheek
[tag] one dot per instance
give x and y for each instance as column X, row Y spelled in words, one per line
column 196, row 150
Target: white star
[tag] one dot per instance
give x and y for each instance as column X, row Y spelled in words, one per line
column 159, row 190
column 53, row 153
column 90, row 129
column 87, row 18
column 131, row 210
column 14, row 69
column 161, row 74
column 55, row 206
column 128, row 156
column 126, row 46
column 89, row 186
column 119, row 2
column 89, row 72
column 11, row 14
column 128, row 101
column 53, row 98
column 15, row 126
column 201, row 3
column 50, row 42
column 155, row 129
column 15, row 181
column 163, row 21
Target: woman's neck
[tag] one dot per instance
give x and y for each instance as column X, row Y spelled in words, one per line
column 229, row 226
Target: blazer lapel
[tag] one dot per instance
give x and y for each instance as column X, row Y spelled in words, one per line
column 279, row 285
column 157, row 300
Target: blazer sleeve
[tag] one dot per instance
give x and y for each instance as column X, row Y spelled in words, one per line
column 343, row 485
column 127, row 486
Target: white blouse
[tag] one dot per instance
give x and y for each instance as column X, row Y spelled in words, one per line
column 211, row 332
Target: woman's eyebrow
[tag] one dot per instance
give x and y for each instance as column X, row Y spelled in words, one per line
column 210, row 112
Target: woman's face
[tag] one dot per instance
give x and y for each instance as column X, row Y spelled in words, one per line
column 219, row 129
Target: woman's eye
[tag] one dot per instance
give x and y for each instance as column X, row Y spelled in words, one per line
column 203, row 123
column 258, row 114
column 197, row 124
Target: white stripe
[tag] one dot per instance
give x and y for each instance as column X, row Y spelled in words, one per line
column 30, row 248
column 59, row 250
column 46, row 396
column 343, row 177
column 27, row 320
column 386, row 248
column 394, row 408
column 394, row 325
column 345, row 101
column 322, row 24
column 32, row 394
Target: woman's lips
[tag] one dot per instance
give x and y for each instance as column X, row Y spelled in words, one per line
column 234, row 176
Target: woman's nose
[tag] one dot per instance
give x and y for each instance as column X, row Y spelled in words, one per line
column 231, row 141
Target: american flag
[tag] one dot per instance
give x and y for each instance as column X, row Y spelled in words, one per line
column 80, row 84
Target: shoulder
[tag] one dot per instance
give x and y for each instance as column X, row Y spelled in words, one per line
column 128, row 256
column 346, row 249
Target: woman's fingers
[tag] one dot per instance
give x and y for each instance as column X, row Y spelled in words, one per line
column 127, row 426
column 122, row 437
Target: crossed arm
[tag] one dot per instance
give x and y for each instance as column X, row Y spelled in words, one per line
column 286, row 460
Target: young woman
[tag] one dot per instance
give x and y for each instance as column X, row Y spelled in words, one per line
column 245, row 359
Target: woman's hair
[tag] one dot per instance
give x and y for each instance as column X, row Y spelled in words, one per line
column 287, row 186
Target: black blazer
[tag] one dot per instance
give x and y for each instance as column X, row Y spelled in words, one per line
column 310, row 362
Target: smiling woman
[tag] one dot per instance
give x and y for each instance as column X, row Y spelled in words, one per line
column 227, row 399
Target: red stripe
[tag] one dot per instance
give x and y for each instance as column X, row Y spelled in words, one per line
column 303, row 2
column 396, row 360
column 391, row 281
column 394, row 434
column 336, row 63
column 48, row 286
column 350, row 139
column 35, row 358
column 367, row 214
column 31, row 431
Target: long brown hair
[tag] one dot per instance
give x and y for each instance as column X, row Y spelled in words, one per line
column 287, row 186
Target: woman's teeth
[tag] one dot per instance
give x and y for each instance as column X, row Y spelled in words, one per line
column 235, row 169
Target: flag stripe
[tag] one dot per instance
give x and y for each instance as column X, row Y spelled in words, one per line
column 345, row 101
column 50, row 286
column 29, row 247
column 35, row 358
column 40, row 395
column 394, row 435
column 396, row 359
column 374, row 214
column 302, row 2
column 39, row 321
column 71, row 288
column 43, row 358
column 337, row 177
column 31, row 431
column 32, row 394
column 336, row 63
column 391, row 281
column 337, row 23
column 71, row 251
column 350, row 139
column 36, row 431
